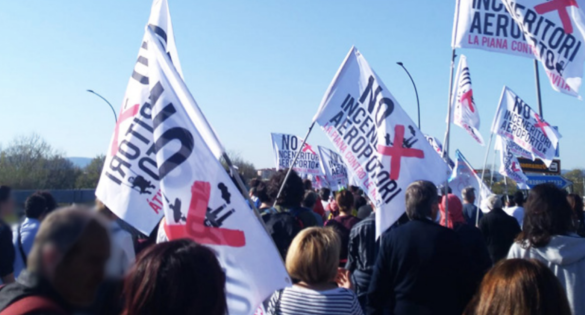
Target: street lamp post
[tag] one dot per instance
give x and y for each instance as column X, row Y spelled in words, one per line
column 415, row 91
column 103, row 98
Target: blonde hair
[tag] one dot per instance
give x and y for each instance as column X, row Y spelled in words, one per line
column 313, row 256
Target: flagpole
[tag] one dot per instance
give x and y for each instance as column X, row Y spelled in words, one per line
column 487, row 153
column 492, row 170
column 538, row 96
column 448, row 133
column 294, row 161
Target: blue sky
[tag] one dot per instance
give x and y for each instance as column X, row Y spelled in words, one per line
column 253, row 66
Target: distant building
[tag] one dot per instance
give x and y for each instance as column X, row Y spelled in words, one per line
column 266, row 173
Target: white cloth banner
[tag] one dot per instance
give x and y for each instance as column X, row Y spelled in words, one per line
column 377, row 140
column 464, row 176
column 200, row 200
column 334, row 169
column 285, row 147
column 517, row 122
column 509, row 165
column 465, row 112
column 438, row 147
column 514, row 148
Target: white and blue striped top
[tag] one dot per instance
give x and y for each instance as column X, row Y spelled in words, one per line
column 299, row 301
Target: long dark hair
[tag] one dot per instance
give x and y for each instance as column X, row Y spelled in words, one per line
column 176, row 277
column 546, row 214
column 576, row 203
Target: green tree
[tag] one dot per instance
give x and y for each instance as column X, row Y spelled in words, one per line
column 90, row 175
column 577, row 176
column 499, row 188
column 245, row 168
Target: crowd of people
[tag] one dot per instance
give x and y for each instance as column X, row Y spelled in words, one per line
column 520, row 256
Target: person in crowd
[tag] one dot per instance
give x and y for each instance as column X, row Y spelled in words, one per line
column 576, row 203
column 520, row 286
column 471, row 237
column 324, row 194
column 176, row 277
column 253, row 194
column 358, row 198
column 313, row 262
column 7, row 253
column 508, row 200
column 52, row 203
column 36, row 207
column 265, row 201
column 421, row 267
column 365, row 210
column 291, row 197
column 65, row 266
column 344, row 222
column 549, row 236
column 311, row 195
column 309, row 201
column 499, row 229
column 515, row 207
column 122, row 254
column 469, row 209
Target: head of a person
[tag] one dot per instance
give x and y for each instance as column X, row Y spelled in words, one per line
column 176, row 277
column 455, row 211
column 468, row 194
column 492, row 202
column 313, row 256
column 546, row 213
column 70, row 251
column 345, row 201
column 262, row 193
column 35, row 206
column 510, row 202
column 6, row 201
column 293, row 191
column 308, row 184
column 52, row 203
column 519, row 198
column 104, row 211
column 354, row 189
column 576, row 203
column 422, row 200
column 309, row 200
column 324, row 193
column 520, row 287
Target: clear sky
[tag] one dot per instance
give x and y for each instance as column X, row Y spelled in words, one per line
column 254, row 67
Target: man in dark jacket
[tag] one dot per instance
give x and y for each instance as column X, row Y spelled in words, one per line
column 421, row 268
column 470, row 211
column 498, row 228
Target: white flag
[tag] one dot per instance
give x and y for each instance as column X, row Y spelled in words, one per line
column 334, row 169
column 465, row 112
column 200, row 200
column 285, row 147
column 509, row 165
column 517, row 122
column 464, row 176
column 377, row 140
column 512, row 147
column 438, row 147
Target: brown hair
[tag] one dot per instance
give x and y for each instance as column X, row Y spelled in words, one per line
column 520, row 287
column 345, row 200
column 313, row 256
column 176, row 277
column 420, row 197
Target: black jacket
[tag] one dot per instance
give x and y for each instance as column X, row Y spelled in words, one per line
column 499, row 231
column 421, row 269
column 30, row 285
column 475, row 249
column 362, row 253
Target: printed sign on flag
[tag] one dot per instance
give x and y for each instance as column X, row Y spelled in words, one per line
column 512, row 147
column 438, row 147
column 334, row 169
column 517, row 122
column 465, row 112
column 464, row 176
column 200, row 200
column 509, row 165
column 376, row 139
column 285, row 148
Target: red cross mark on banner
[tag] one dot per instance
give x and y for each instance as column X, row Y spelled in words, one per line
column 467, row 98
column 307, row 147
column 541, row 124
column 195, row 228
column 515, row 167
column 397, row 152
column 131, row 112
column 560, row 6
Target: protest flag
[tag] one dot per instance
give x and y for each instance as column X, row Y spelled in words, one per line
column 464, row 176
column 438, row 147
column 200, row 200
column 334, row 168
column 376, row 139
column 509, row 164
column 465, row 111
column 285, row 147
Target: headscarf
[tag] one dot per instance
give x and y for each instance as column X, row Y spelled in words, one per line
column 455, row 211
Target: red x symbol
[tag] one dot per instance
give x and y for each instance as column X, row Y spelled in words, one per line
column 515, row 167
column 131, row 112
column 468, row 96
column 307, row 147
column 397, row 152
column 195, row 228
column 541, row 124
column 561, row 6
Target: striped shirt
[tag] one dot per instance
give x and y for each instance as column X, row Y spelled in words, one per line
column 299, row 301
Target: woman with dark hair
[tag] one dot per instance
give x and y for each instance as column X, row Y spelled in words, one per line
column 520, row 287
column 576, row 203
column 176, row 277
column 549, row 236
column 291, row 197
column 344, row 222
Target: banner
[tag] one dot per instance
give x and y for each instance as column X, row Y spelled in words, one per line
column 465, row 113
column 464, row 176
column 376, row 139
column 517, row 122
column 510, row 167
column 285, row 148
column 200, row 200
column 334, row 169
column 438, row 147
column 512, row 147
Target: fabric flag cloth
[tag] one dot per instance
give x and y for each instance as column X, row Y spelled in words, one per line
column 463, row 108
column 510, row 166
column 285, row 148
column 334, row 168
column 464, row 176
column 376, row 139
column 517, row 122
column 438, row 147
column 200, row 200
column 512, row 147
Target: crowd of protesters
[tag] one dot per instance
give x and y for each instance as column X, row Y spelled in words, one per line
column 527, row 257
